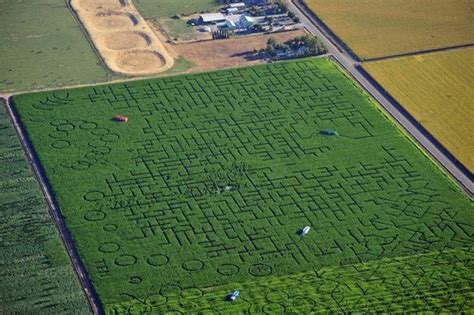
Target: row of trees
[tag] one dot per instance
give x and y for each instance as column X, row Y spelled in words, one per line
column 306, row 44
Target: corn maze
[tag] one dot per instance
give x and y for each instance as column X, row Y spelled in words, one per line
column 206, row 188
column 36, row 276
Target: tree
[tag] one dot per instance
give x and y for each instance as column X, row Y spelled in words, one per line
column 281, row 6
column 272, row 42
column 257, row 28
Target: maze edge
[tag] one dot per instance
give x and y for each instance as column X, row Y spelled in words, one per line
column 196, row 170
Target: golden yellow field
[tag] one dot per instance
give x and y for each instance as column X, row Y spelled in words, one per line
column 437, row 89
column 377, row 28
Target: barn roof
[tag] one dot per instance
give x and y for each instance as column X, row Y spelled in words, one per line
column 212, row 17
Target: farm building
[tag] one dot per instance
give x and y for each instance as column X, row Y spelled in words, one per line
column 238, row 5
column 246, row 22
column 211, row 18
column 230, row 25
column 232, row 10
column 256, row 2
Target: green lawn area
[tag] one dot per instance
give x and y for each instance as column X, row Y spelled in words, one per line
column 43, row 46
column 152, row 9
column 207, row 185
column 36, row 276
column 162, row 11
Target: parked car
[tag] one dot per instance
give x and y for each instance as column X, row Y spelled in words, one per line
column 234, row 295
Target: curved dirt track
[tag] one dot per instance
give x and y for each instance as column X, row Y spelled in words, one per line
column 127, row 40
column 124, row 40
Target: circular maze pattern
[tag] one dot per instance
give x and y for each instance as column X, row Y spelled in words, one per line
column 94, row 215
column 157, row 260
column 191, row 293
column 110, row 247
column 193, row 265
column 61, row 144
column 303, row 303
column 277, row 296
column 156, row 300
column 228, row 269
column 260, row 270
column 135, row 280
column 274, row 308
column 110, row 227
column 94, row 196
column 100, row 140
column 171, row 290
column 125, row 260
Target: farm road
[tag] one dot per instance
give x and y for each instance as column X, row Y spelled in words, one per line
column 350, row 63
column 91, row 295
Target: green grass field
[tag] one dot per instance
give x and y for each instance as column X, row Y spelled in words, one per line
column 169, row 8
column 207, row 185
column 42, row 45
column 390, row 27
column 161, row 13
column 36, row 276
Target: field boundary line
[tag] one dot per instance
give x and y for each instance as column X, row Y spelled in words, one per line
column 337, row 42
column 420, row 127
column 93, row 299
column 441, row 160
column 352, row 66
column 89, row 40
column 420, row 52
column 342, row 46
column 417, row 124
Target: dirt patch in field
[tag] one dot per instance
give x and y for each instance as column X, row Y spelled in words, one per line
column 95, row 5
column 113, row 21
column 127, row 40
column 126, row 43
column 226, row 53
column 140, row 61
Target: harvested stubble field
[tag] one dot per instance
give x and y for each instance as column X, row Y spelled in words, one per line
column 205, row 188
column 36, row 276
column 390, row 27
column 437, row 90
column 43, row 46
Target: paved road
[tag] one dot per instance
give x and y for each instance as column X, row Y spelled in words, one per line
column 352, row 66
column 93, row 299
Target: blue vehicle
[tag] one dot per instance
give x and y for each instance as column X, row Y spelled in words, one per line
column 234, row 295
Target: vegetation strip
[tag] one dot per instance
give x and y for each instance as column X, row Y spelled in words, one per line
column 35, row 273
column 58, row 218
column 434, row 282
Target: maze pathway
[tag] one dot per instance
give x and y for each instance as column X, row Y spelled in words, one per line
column 214, row 174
